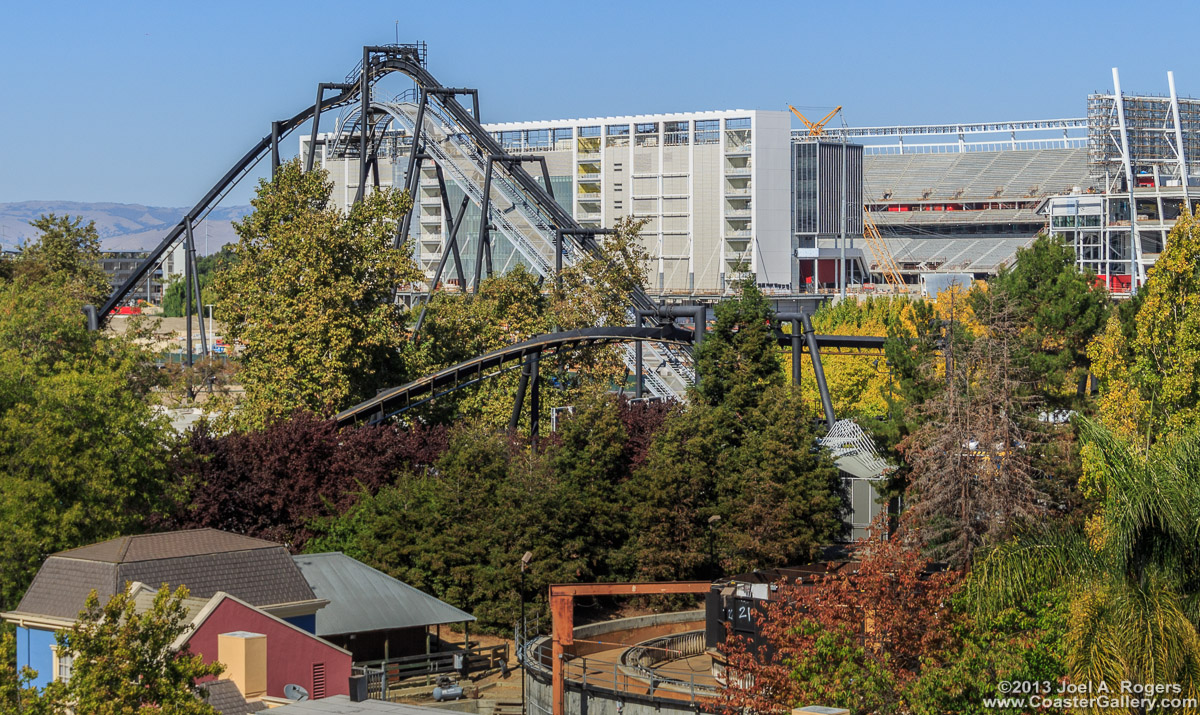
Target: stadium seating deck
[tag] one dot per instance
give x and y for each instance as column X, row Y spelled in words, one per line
column 974, row 176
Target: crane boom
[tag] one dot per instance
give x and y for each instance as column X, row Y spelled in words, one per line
column 815, row 129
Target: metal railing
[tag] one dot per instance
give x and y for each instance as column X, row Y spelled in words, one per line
column 384, row 675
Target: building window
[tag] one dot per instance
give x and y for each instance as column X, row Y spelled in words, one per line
column 64, row 664
column 589, row 131
column 618, row 130
column 675, row 133
column 648, row 128
column 741, row 123
column 708, row 131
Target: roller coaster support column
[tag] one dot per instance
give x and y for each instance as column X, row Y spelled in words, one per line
column 410, row 177
column 193, row 288
column 316, row 120
column 818, row 370
column 485, row 221
column 187, row 301
column 364, row 92
column 530, row 374
column 453, row 241
column 535, row 399
column 797, row 335
column 639, row 380
column 446, row 251
column 274, row 149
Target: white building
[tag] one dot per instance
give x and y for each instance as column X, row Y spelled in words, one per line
column 713, row 188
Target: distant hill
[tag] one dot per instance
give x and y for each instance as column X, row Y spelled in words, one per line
column 122, row 227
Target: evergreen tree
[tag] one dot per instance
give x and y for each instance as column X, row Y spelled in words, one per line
column 739, row 357
column 1060, row 309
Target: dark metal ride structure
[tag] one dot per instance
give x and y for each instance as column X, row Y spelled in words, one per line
column 524, row 211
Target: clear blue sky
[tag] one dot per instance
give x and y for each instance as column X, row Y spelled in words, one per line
column 150, row 102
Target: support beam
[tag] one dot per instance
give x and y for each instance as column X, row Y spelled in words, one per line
column 796, row 320
column 187, row 302
column 414, row 168
column 1135, row 254
column 453, row 228
column 485, row 221
column 1179, row 150
column 815, row 353
column 562, row 613
column 519, row 402
column 535, row 399
column 451, row 247
column 274, row 150
column 316, row 123
column 364, row 111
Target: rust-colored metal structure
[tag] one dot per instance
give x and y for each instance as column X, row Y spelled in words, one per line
column 562, row 613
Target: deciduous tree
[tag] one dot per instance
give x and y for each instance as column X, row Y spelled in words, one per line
column 310, row 295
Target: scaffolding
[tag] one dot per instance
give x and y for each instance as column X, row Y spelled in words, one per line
column 1151, row 130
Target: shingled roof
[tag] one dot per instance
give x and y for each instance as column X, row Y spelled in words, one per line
column 258, row 572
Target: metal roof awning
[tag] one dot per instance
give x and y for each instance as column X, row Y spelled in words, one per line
column 364, row 599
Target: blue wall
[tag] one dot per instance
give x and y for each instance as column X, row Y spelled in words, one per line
column 308, row 623
column 33, row 650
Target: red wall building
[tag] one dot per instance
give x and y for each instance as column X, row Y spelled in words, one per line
column 293, row 655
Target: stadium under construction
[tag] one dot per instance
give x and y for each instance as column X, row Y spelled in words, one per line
column 734, row 193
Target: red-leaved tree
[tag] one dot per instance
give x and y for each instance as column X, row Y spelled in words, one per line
column 852, row 638
column 273, row 483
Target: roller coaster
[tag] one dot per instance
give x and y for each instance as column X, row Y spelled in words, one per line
column 442, row 131
column 523, row 211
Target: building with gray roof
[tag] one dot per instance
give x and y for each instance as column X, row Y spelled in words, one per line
column 371, row 614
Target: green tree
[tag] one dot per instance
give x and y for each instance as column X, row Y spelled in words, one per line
column 1130, row 578
column 66, row 253
column 83, row 453
column 1166, row 349
column 1060, row 307
column 736, row 481
column 739, row 357
column 124, row 660
column 1019, row 643
column 310, row 296
column 174, row 298
column 456, row 531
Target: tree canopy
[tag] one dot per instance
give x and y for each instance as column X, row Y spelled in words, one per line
column 310, row 297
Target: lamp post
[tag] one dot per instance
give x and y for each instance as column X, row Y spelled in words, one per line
column 525, row 559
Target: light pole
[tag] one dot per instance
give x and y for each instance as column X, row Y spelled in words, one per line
column 525, row 559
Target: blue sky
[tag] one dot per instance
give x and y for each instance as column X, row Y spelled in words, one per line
column 150, row 102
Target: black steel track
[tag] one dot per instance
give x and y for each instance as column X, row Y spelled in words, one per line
column 449, row 379
column 380, row 61
column 444, row 381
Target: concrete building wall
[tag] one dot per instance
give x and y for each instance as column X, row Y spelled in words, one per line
column 653, row 167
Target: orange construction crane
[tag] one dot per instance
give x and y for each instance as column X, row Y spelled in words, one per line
column 887, row 263
column 815, row 129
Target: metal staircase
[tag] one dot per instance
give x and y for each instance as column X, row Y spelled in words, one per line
column 518, row 218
